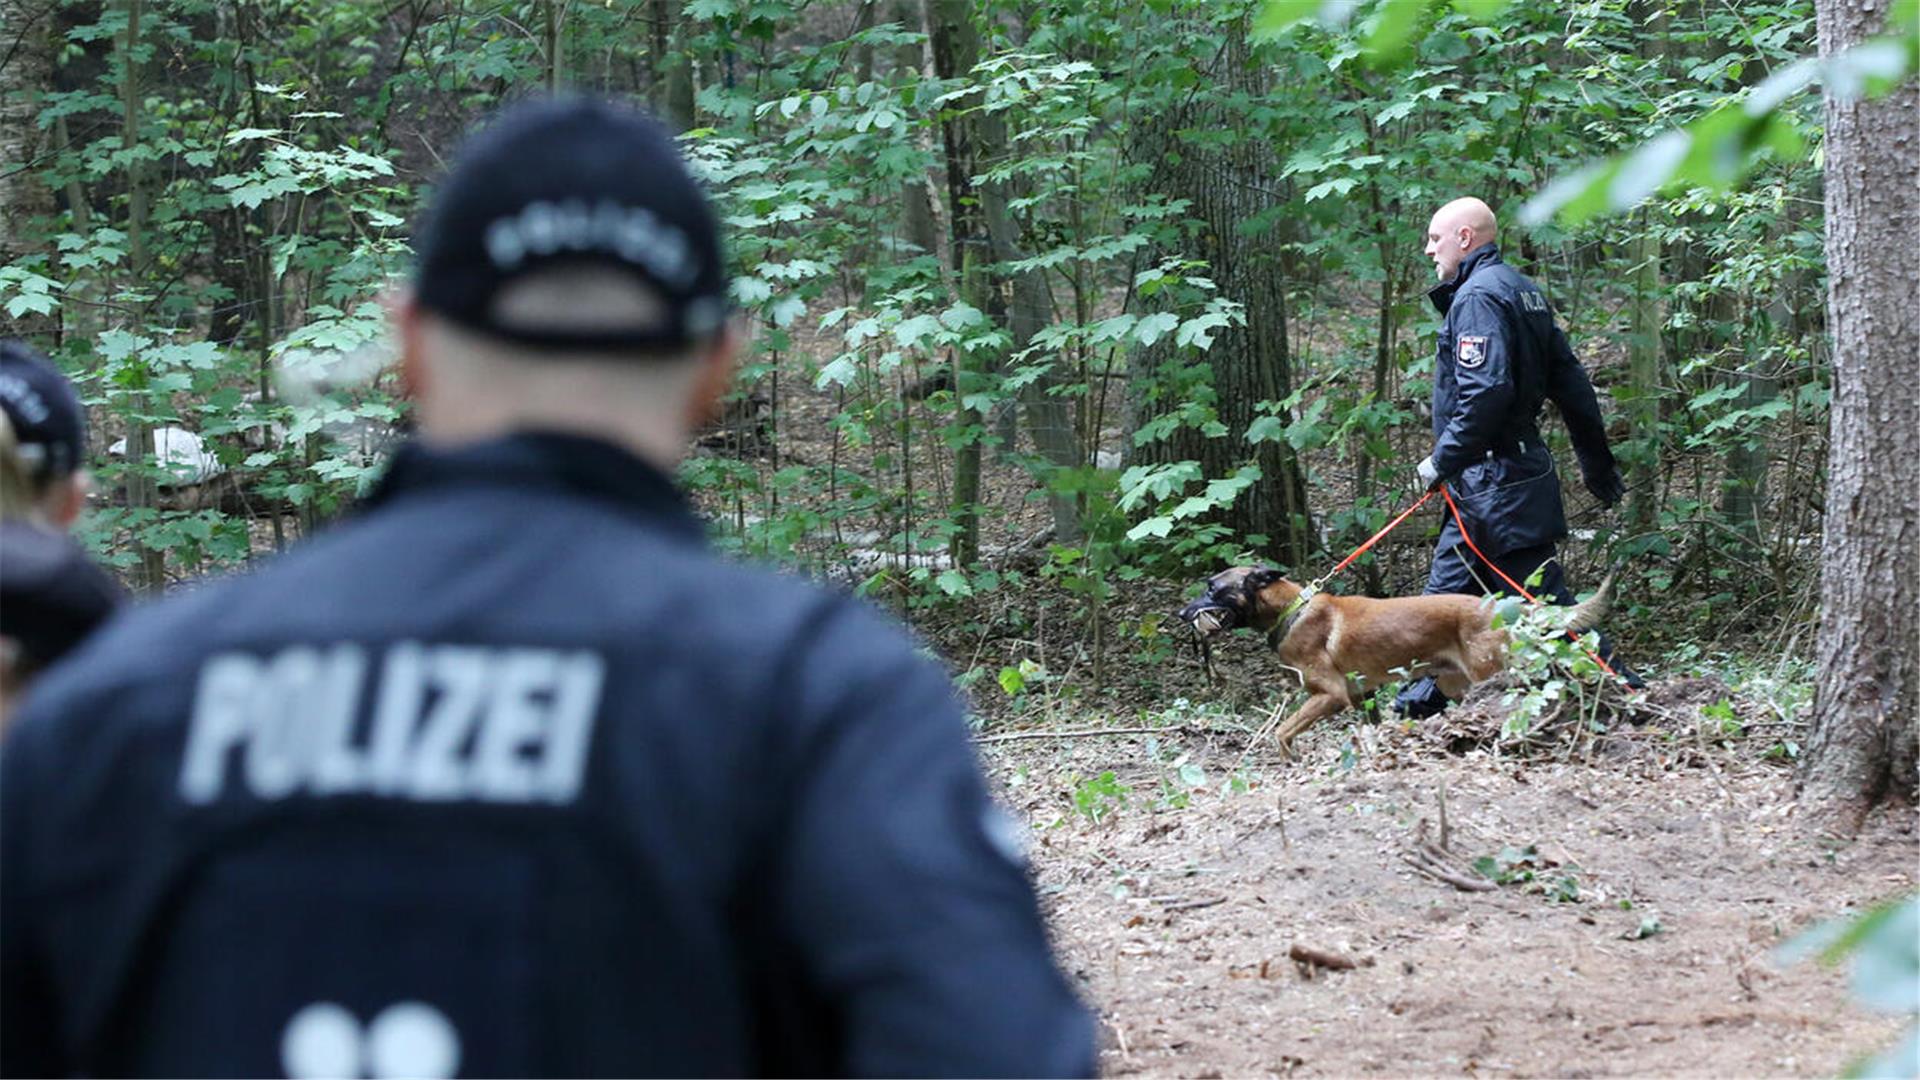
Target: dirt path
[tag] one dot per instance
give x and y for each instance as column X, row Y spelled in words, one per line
column 1177, row 921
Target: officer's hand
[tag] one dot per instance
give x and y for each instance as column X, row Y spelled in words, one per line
column 1429, row 476
column 1606, row 486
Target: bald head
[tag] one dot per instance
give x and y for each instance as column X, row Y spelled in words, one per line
column 1458, row 229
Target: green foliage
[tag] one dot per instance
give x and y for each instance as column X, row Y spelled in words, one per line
column 1527, row 867
column 283, row 149
column 1551, row 673
column 1099, row 798
column 1884, row 946
column 1721, row 148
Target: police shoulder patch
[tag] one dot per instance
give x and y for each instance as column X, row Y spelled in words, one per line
column 1472, row 351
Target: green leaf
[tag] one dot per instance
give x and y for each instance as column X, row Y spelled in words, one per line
column 1886, row 966
column 839, row 371
column 954, row 582
column 1279, row 16
column 1869, row 68
column 1648, row 169
column 1152, row 328
column 751, row 290
column 1012, row 681
column 1393, row 27
column 913, row 331
column 1158, row 525
column 786, row 309
column 1339, row 185
column 1480, row 10
column 1266, row 429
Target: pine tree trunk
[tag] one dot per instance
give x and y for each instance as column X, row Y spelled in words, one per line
column 1227, row 186
column 1866, row 710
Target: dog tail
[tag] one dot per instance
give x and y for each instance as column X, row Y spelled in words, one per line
column 1588, row 614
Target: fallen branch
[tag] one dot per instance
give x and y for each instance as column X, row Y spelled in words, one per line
column 1439, row 863
column 1195, row 905
column 1441, row 873
column 1087, row 733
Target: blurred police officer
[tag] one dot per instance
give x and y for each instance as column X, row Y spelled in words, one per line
column 1500, row 356
column 512, row 776
column 49, row 434
column 51, row 594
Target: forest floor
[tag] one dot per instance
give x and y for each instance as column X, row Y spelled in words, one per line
column 1176, row 924
column 1665, row 858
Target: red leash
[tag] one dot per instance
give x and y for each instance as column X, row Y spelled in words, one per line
column 1362, row 549
column 1517, row 587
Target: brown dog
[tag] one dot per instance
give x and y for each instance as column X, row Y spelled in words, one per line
column 1335, row 641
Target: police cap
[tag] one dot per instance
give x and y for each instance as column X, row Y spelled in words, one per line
column 574, row 180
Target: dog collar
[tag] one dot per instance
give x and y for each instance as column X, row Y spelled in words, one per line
column 1291, row 617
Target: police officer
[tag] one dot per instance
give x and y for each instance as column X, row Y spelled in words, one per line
column 513, row 775
column 49, row 432
column 1500, row 355
column 51, row 594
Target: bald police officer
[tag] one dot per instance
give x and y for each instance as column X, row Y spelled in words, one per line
column 512, row 775
column 1500, row 355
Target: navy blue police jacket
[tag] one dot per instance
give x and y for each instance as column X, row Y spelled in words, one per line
column 1500, row 355
column 512, row 776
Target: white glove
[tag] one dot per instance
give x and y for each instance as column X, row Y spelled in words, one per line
column 1429, row 476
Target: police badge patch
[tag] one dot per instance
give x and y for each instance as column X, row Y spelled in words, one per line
column 1472, row 352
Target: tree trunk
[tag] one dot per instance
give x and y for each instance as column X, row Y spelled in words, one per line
column 672, row 69
column 956, row 48
column 1643, row 376
column 1742, row 490
column 1866, row 709
column 1227, row 186
column 141, row 492
column 26, row 72
column 917, row 224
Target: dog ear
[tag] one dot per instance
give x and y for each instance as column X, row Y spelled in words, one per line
column 1262, row 578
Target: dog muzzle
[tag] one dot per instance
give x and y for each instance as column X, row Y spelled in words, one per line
column 1208, row 618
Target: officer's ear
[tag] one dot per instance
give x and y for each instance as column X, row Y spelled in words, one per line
column 403, row 312
column 717, row 360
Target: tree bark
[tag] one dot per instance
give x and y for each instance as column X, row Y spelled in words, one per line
column 956, row 48
column 1227, row 186
column 1643, row 376
column 985, row 240
column 917, row 224
column 141, row 492
column 673, row 97
column 1866, row 710
column 26, row 72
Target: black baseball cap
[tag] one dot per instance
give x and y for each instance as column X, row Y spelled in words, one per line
column 48, row 423
column 573, row 180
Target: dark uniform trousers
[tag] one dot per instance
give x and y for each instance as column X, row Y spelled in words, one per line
column 1500, row 357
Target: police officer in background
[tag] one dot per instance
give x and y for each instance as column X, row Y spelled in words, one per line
column 512, row 775
column 1500, row 355
column 49, row 435
column 52, row 595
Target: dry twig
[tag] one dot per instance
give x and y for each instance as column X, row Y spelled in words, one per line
column 1437, row 861
column 1087, row 733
